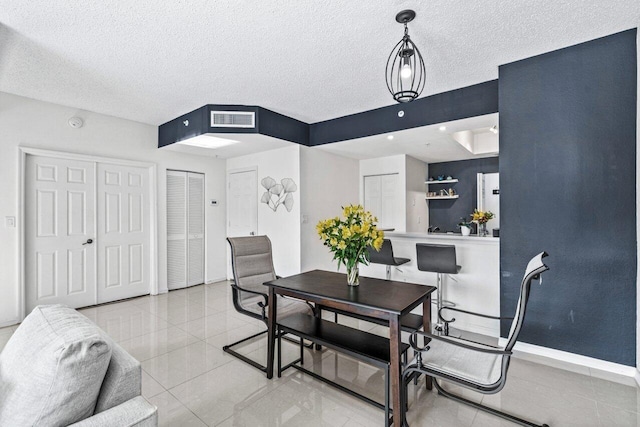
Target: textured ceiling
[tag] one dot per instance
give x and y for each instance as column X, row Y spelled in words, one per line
column 150, row 61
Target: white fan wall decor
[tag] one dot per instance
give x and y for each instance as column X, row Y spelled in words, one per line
column 278, row 194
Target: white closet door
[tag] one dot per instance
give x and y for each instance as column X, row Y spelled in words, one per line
column 185, row 229
column 60, row 232
column 390, row 204
column 380, row 198
column 372, row 195
column 195, row 236
column 124, row 235
column 176, row 229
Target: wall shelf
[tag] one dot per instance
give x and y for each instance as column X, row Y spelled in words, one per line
column 441, row 197
column 444, row 181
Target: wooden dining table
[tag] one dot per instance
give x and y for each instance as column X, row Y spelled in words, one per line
column 375, row 298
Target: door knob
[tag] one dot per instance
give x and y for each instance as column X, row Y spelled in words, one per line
column 88, row 242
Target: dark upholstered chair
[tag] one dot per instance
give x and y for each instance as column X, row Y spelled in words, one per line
column 252, row 262
column 475, row 366
column 385, row 257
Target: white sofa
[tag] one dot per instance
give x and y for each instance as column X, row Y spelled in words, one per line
column 60, row 369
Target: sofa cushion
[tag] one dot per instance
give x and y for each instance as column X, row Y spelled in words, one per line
column 52, row 368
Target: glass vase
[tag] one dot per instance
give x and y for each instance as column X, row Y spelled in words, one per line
column 353, row 275
column 482, row 229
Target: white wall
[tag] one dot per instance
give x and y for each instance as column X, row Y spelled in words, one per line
column 30, row 123
column 417, row 208
column 387, row 165
column 282, row 227
column 328, row 183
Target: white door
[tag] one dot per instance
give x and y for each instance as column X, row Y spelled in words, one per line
column 243, row 203
column 176, row 229
column 185, row 229
column 380, row 198
column 195, row 235
column 60, row 232
column 124, row 234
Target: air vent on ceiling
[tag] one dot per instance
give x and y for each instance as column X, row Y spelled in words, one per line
column 233, row 119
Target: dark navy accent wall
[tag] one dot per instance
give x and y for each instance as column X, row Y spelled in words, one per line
column 471, row 101
column 283, row 127
column 476, row 100
column 446, row 213
column 568, row 187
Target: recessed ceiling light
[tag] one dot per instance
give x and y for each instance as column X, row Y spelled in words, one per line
column 389, row 137
column 208, row 141
column 442, row 128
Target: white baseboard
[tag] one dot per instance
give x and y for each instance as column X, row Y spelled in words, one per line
column 215, row 280
column 585, row 365
column 9, row 323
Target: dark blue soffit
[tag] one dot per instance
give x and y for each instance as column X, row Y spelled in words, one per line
column 471, row 101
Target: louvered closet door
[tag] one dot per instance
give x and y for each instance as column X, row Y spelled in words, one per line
column 176, row 229
column 185, row 229
column 195, row 237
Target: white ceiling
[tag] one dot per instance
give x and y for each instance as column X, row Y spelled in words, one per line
column 151, row 61
column 427, row 143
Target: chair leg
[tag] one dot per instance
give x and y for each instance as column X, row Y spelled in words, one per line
column 492, row 411
column 229, row 349
column 279, row 334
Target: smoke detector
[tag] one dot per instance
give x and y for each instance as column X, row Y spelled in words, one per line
column 76, row 122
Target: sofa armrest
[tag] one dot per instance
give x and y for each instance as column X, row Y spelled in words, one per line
column 134, row 412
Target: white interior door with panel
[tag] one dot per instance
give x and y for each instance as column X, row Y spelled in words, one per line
column 381, row 198
column 124, row 232
column 60, row 232
column 243, row 203
column 185, row 229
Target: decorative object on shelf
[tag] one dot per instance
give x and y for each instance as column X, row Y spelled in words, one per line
column 481, row 218
column 440, row 177
column 350, row 237
column 452, row 192
column 282, row 193
column 465, row 226
column 405, row 73
column 430, row 178
column 449, row 177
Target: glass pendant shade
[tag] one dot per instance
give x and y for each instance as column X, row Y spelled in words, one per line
column 405, row 73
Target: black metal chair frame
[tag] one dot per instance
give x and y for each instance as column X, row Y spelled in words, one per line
column 262, row 317
column 418, row 367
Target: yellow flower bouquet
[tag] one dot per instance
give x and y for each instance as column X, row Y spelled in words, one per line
column 481, row 218
column 350, row 237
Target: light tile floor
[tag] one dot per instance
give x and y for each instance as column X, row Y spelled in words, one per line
column 178, row 338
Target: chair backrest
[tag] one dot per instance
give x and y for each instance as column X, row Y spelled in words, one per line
column 252, row 263
column 436, row 258
column 535, row 267
column 384, row 256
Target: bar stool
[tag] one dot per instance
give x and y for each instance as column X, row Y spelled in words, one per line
column 440, row 259
column 385, row 257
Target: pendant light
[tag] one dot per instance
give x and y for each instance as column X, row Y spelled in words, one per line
column 405, row 72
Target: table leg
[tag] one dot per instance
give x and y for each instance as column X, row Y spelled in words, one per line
column 271, row 323
column 395, row 344
column 426, row 325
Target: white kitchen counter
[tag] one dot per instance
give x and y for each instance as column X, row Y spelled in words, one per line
column 475, row 288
